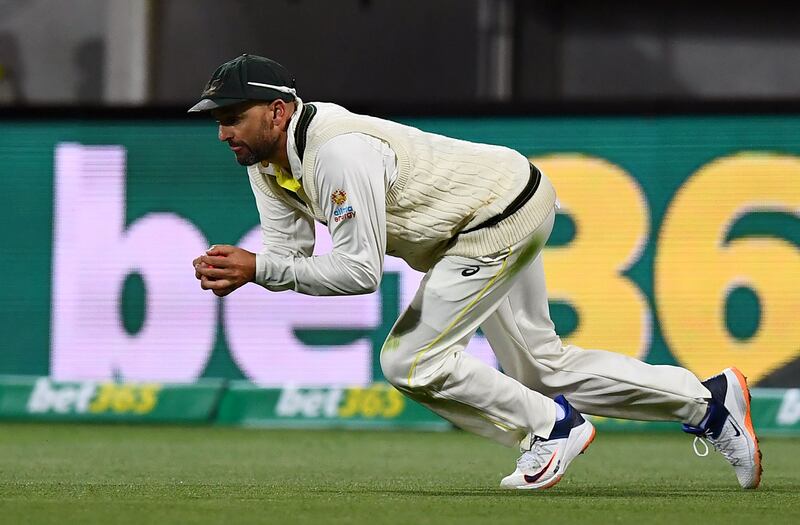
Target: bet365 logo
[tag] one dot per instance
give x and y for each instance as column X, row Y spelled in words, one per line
column 377, row 401
column 633, row 285
column 273, row 339
column 92, row 398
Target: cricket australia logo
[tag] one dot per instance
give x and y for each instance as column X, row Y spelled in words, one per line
column 339, row 197
column 342, row 211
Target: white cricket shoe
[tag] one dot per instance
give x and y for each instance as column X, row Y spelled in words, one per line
column 544, row 461
column 729, row 427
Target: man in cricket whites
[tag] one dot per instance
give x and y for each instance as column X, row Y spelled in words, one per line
column 474, row 218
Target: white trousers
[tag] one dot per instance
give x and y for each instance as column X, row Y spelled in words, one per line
column 505, row 295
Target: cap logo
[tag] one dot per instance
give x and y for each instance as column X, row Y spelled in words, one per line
column 212, row 87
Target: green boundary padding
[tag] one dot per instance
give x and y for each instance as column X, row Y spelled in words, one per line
column 43, row 399
column 376, row 406
column 241, row 403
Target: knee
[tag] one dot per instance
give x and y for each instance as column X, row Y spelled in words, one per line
column 401, row 369
column 554, row 353
column 395, row 366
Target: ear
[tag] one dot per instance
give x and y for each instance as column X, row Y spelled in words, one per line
column 281, row 112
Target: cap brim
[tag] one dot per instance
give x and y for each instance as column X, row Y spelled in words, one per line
column 208, row 104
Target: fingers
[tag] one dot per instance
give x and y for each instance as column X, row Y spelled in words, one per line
column 216, row 272
column 219, row 262
column 216, row 284
column 196, row 264
column 220, row 249
column 212, row 272
column 220, row 287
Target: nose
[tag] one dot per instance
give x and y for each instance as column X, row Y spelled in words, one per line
column 224, row 133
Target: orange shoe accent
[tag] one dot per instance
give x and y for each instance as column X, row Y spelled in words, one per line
column 748, row 422
column 594, row 433
column 556, row 480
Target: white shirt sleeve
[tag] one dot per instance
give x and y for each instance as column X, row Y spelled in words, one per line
column 286, row 234
column 351, row 178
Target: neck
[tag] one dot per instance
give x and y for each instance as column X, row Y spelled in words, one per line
column 281, row 157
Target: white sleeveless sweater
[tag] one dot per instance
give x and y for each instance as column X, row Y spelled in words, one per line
column 443, row 186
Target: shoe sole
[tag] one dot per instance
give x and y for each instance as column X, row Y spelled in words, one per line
column 748, row 423
column 558, row 477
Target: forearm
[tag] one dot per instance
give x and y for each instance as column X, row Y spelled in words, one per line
column 331, row 274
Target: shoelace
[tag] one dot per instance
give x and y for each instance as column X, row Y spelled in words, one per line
column 698, row 439
column 720, row 445
column 536, row 457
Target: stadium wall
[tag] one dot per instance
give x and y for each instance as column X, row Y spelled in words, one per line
column 678, row 242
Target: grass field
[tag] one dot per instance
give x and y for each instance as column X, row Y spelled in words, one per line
column 68, row 474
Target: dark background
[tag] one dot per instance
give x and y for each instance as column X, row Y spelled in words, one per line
column 417, row 56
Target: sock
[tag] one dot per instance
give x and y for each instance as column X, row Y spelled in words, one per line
column 566, row 419
column 712, row 421
column 560, row 413
column 704, row 422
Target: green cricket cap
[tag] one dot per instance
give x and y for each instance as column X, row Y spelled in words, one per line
column 247, row 77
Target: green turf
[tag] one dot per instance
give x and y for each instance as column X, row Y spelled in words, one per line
column 66, row 474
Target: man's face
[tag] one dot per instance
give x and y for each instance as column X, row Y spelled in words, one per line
column 249, row 130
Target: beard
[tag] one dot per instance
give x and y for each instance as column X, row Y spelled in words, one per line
column 255, row 153
column 262, row 148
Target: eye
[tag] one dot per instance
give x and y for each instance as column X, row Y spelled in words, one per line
column 230, row 121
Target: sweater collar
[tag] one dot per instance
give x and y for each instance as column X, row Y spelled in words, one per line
column 295, row 160
column 295, row 133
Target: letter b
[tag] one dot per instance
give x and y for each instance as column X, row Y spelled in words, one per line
column 93, row 252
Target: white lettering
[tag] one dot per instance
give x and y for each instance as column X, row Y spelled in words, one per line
column 93, row 253
column 260, row 330
column 40, row 397
column 312, row 403
column 290, row 398
column 84, row 397
column 332, row 401
column 789, row 413
column 63, row 399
